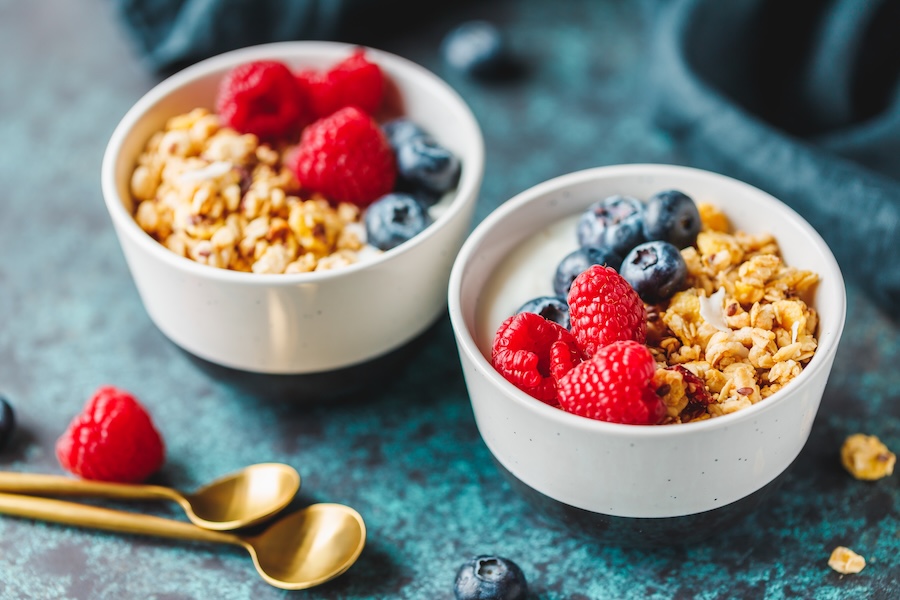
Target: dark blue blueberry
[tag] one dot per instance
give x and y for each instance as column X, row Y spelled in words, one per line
column 423, row 163
column 616, row 223
column 578, row 261
column 7, row 422
column 400, row 131
column 672, row 216
column 490, row 578
column 393, row 219
column 475, row 48
column 550, row 307
column 655, row 270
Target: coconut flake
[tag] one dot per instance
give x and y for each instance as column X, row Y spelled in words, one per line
column 356, row 229
column 712, row 310
column 210, row 171
column 795, row 329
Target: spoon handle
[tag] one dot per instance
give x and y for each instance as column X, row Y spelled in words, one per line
column 35, row 483
column 94, row 517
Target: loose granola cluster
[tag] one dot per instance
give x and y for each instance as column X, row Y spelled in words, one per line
column 221, row 198
column 742, row 326
column 846, row 561
column 866, row 457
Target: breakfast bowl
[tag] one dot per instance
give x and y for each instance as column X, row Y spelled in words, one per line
column 636, row 485
column 302, row 322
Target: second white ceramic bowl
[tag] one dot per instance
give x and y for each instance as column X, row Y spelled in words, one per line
column 614, row 471
column 309, row 322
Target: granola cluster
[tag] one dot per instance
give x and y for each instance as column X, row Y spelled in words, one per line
column 866, row 457
column 846, row 561
column 211, row 194
column 743, row 325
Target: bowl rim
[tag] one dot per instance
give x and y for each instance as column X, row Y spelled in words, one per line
column 467, row 345
column 466, row 190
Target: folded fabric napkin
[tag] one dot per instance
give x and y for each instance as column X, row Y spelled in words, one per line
column 801, row 99
column 174, row 33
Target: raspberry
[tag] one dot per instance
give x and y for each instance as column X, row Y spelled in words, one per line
column 346, row 157
column 355, row 81
column 532, row 353
column 614, row 385
column 262, row 98
column 112, row 440
column 603, row 309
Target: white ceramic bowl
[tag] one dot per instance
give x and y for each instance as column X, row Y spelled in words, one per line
column 300, row 323
column 606, row 473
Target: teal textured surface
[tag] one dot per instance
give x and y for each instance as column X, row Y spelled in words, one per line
column 405, row 452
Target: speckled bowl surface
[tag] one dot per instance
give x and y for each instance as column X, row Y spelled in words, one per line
column 300, row 323
column 634, row 484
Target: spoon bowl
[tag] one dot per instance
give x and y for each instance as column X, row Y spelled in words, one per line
column 240, row 499
column 243, row 498
column 295, row 552
column 308, row 547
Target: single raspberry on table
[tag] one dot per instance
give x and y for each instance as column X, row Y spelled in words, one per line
column 113, row 439
column 355, row 81
column 614, row 385
column 263, row 98
column 604, row 308
column 532, row 353
column 346, row 157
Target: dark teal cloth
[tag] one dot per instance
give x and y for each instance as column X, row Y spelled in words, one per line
column 801, row 99
column 173, row 33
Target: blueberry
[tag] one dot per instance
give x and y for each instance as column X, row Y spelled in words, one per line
column 423, row 163
column 616, row 223
column 393, row 219
column 575, row 262
column 490, row 578
column 655, row 270
column 476, row 48
column 400, row 131
column 550, row 307
column 672, row 216
column 7, row 422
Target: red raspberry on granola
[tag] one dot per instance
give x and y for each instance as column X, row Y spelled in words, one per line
column 604, row 308
column 615, row 385
column 355, row 81
column 263, row 98
column 532, row 353
column 346, row 157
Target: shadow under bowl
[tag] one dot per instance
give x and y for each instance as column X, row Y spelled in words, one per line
column 636, row 532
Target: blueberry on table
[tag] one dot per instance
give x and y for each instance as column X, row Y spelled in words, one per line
column 672, row 216
column 423, row 163
column 655, row 270
column 7, row 422
column 393, row 219
column 616, row 222
column 476, row 48
column 550, row 307
column 490, row 578
column 578, row 261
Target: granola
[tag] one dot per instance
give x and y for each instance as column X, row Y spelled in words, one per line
column 224, row 199
column 866, row 457
column 743, row 326
column 844, row 561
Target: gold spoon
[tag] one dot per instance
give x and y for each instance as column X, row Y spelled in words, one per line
column 240, row 499
column 297, row 551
